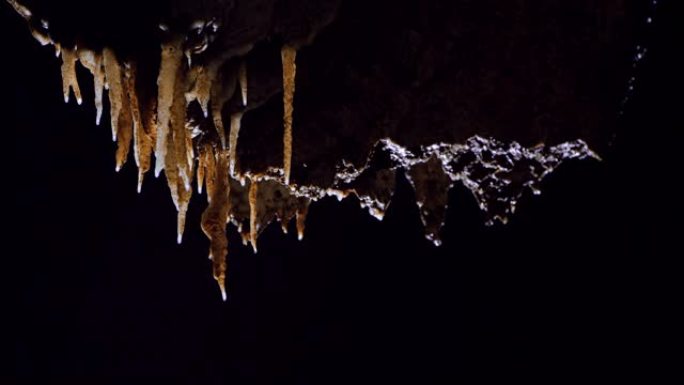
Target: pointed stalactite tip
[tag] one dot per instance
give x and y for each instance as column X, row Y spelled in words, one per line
column 242, row 75
column 141, row 177
column 222, row 287
column 253, row 218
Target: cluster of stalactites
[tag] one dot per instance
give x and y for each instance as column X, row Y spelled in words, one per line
column 161, row 126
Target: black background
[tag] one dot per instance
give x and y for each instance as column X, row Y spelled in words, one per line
column 579, row 285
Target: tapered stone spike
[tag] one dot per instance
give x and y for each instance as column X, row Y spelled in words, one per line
column 221, row 91
column 179, row 132
column 201, row 167
column 210, row 165
column 69, row 80
column 253, row 213
column 235, row 121
column 215, row 217
column 150, row 133
column 142, row 143
column 171, row 57
column 203, row 78
column 242, row 75
column 20, row 9
column 124, row 129
column 288, row 55
column 116, row 92
column 41, row 37
column 183, row 202
column 93, row 62
column 302, row 211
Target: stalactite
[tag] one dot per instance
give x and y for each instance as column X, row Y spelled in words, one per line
column 215, row 217
column 189, row 158
column 92, row 61
column 171, row 169
column 218, row 123
column 288, row 55
column 172, row 179
column 124, row 134
column 116, row 93
column 149, row 117
column 210, row 171
column 69, row 80
column 217, row 117
column 179, row 131
column 203, row 78
column 142, row 144
column 171, row 56
column 235, row 122
column 253, row 213
column 120, row 110
column 42, row 38
column 245, row 238
column 177, row 168
column 20, row 9
column 221, row 91
column 242, row 75
column 431, row 185
column 134, row 106
column 302, row 211
column 201, row 167
column 184, row 196
column 150, row 120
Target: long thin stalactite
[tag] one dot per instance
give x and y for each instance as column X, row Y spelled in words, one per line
column 288, row 55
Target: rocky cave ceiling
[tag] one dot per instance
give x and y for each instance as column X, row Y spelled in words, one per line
column 265, row 106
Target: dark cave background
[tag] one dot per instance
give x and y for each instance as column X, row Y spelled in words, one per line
column 579, row 285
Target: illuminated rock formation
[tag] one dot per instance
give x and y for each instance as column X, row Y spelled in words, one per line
column 289, row 70
column 419, row 98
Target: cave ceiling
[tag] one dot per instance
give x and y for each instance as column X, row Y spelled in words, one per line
column 265, row 106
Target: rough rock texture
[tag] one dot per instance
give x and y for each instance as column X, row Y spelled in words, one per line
column 490, row 94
